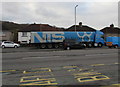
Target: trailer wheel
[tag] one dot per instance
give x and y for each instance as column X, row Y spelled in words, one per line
column 109, row 46
column 100, row 44
column 116, row 46
column 43, row 46
column 95, row 44
column 89, row 45
column 68, row 48
column 49, row 46
column 56, row 45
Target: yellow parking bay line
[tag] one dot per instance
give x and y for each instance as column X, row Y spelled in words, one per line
column 46, row 81
column 71, row 70
column 113, row 85
column 90, row 76
column 70, row 66
column 30, row 78
column 116, row 84
column 86, row 69
column 116, row 63
column 8, row 71
column 86, row 74
column 97, row 64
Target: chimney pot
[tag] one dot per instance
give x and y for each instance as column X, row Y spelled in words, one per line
column 112, row 25
column 80, row 24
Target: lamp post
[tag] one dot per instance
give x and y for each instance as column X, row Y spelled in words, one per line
column 75, row 17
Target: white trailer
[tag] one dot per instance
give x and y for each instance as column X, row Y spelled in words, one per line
column 24, row 37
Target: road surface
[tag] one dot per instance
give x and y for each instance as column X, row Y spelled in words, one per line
column 90, row 66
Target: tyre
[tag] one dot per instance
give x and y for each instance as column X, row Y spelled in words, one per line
column 109, row 46
column 15, row 46
column 89, row 45
column 3, row 46
column 43, row 46
column 56, row 46
column 100, row 44
column 68, row 48
column 95, row 44
column 116, row 46
column 49, row 46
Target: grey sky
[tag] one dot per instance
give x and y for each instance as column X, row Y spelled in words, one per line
column 61, row 14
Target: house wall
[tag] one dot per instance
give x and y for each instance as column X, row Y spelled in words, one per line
column 24, row 39
column 6, row 36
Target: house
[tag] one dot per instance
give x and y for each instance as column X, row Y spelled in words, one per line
column 5, row 33
column 9, row 30
column 80, row 27
column 25, row 33
column 111, row 31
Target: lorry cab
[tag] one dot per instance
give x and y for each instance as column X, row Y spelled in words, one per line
column 99, row 38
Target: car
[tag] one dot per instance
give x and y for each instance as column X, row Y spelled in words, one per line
column 72, row 43
column 5, row 44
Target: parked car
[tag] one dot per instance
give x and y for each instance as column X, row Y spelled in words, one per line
column 72, row 43
column 5, row 44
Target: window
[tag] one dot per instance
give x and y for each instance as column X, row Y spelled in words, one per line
column 2, row 34
column 102, row 36
column 24, row 34
column 8, row 42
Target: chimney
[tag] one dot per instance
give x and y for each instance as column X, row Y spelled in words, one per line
column 112, row 26
column 80, row 24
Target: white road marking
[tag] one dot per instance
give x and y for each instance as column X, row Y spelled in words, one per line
column 58, row 56
column 101, row 54
column 41, row 57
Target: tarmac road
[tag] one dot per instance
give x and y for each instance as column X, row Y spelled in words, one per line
column 91, row 66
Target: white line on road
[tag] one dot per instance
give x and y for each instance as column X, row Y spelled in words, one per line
column 40, row 57
column 101, row 54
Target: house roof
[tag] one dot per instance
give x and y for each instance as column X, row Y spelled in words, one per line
column 112, row 30
column 80, row 28
column 40, row 27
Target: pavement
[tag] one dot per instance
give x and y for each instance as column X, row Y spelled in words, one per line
column 57, row 67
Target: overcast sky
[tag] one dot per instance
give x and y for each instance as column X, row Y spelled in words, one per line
column 62, row 14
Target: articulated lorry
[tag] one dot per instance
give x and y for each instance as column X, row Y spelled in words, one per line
column 64, row 39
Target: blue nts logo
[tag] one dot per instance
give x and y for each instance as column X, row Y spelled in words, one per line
column 85, row 36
